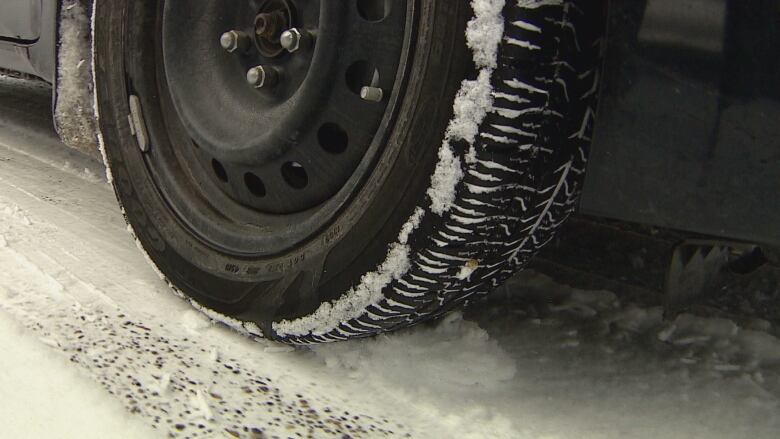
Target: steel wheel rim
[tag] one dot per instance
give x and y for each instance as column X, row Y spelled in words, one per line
column 226, row 221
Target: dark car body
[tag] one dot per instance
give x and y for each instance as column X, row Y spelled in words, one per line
column 688, row 136
column 28, row 37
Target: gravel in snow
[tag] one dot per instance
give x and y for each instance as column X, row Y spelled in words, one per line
column 72, row 400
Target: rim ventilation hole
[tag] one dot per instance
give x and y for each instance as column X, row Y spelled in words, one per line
column 295, row 175
column 362, row 74
column 219, row 170
column 374, row 10
column 333, row 138
column 254, row 184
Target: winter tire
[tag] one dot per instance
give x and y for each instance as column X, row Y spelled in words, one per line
column 332, row 190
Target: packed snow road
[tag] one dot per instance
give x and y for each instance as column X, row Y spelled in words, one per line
column 95, row 344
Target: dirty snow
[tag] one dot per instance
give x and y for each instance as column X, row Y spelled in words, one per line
column 44, row 396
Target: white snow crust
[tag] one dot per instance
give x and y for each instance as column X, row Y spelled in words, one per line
column 42, row 396
column 537, row 360
column 472, row 103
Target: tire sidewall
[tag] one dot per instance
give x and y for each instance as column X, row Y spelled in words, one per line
column 358, row 238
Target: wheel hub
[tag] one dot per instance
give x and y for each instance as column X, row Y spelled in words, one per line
column 282, row 99
column 275, row 17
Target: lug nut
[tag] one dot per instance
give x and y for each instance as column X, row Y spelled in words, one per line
column 234, row 40
column 372, row 94
column 293, row 40
column 260, row 76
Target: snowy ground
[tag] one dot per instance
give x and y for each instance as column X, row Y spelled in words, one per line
column 94, row 344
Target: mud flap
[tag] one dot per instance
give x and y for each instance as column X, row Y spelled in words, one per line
column 74, row 114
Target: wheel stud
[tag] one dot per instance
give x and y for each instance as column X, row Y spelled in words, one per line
column 293, row 39
column 261, row 76
column 372, row 94
column 234, row 41
column 268, row 25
